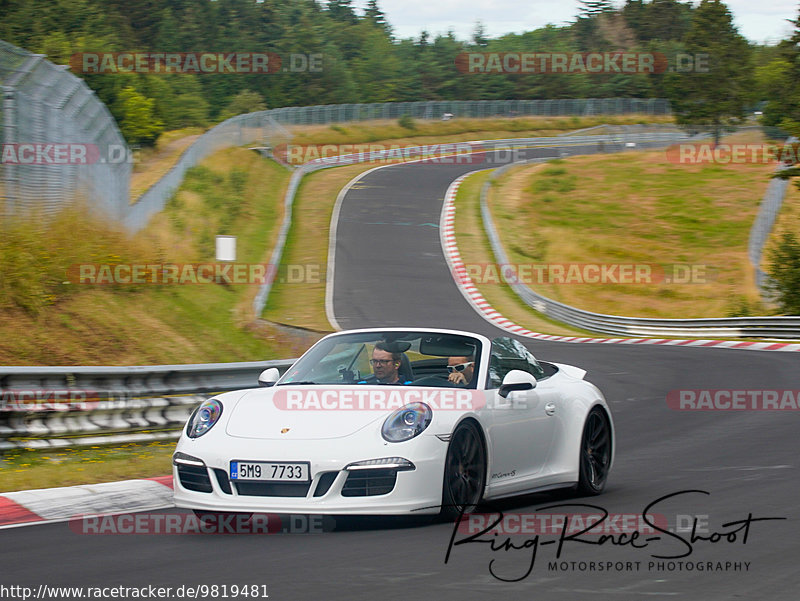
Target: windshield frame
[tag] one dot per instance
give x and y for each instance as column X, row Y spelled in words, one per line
column 363, row 340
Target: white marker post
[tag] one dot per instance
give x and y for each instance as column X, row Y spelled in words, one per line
column 226, row 248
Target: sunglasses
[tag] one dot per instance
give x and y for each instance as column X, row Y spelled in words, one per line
column 380, row 361
column 460, row 367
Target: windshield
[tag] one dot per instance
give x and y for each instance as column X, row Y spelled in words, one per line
column 393, row 358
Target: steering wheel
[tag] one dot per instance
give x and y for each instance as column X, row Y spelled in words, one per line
column 435, row 380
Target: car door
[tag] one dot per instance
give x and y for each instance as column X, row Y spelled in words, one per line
column 522, row 427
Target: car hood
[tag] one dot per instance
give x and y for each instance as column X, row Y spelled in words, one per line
column 265, row 414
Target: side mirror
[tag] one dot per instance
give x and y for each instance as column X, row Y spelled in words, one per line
column 269, row 376
column 516, row 379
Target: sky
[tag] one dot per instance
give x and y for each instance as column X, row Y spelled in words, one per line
column 762, row 21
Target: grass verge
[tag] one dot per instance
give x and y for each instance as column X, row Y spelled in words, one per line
column 300, row 301
column 151, row 164
column 26, row 469
column 640, row 209
column 456, row 130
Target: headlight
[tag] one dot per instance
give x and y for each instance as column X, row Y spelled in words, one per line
column 406, row 423
column 204, row 418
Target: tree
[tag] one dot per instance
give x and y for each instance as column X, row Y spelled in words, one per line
column 377, row 17
column 138, row 123
column 142, row 17
column 776, row 81
column 586, row 26
column 716, row 95
column 591, row 8
column 779, row 84
column 245, row 101
column 784, row 271
column 658, row 19
column 667, row 20
column 377, row 71
column 479, row 38
column 342, row 10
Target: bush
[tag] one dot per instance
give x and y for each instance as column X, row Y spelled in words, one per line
column 245, row 101
column 138, row 122
column 407, row 122
column 784, row 271
column 40, row 255
column 739, row 307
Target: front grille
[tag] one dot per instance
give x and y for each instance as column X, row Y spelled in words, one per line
column 223, row 481
column 324, row 484
column 272, row 489
column 194, row 477
column 367, row 483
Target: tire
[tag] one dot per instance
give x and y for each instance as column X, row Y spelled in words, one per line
column 464, row 472
column 595, row 453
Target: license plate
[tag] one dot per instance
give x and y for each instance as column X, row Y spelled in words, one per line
column 270, row 471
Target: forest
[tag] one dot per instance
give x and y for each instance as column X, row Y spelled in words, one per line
column 359, row 59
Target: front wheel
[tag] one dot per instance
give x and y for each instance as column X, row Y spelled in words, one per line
column 595, row 455
column 464, row 472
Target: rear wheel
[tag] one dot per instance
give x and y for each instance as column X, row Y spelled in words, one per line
column 464, row 472
column 595, row 456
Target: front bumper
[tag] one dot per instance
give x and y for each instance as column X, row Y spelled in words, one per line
column 333, row 489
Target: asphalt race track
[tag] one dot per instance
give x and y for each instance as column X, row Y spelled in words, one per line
column 390, row 271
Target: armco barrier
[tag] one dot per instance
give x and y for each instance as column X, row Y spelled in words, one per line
column 762, row 226
column 724, row 327
column 78, row 406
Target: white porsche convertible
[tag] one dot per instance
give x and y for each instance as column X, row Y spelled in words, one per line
column 396, row 421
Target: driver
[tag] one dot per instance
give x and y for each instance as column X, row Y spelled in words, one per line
column 386, row 364
column 461, row 370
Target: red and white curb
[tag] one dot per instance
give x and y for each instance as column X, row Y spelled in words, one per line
column 48, row 505
column 481, row 305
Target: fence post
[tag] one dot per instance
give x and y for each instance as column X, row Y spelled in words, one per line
column 9, row 137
